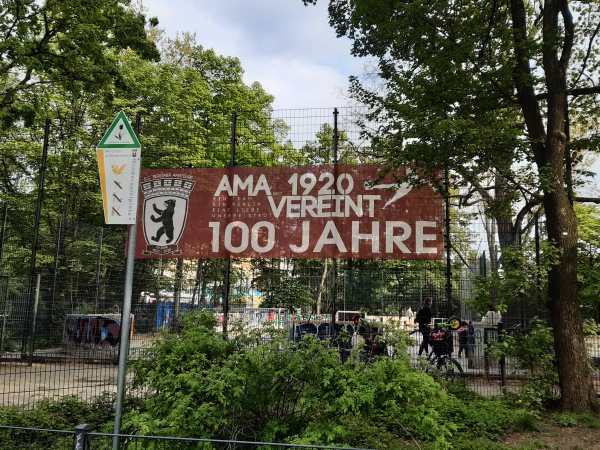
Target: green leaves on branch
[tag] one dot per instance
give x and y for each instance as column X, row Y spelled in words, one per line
column 264, row 387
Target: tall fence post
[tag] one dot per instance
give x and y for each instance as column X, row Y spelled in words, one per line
column 98, row 267
column 448, row 244
column 334, row 261
column 36, row 304
column 227, row 283
column 502, row 361
column 36, row 230
column 82, row 440
column 59, row 227
column 38, row 212
column 3, row 237
column 4, row 311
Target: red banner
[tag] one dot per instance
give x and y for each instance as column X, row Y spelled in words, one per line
column 286, row 212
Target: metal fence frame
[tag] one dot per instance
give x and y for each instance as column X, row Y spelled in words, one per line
column 84, row 438
column 64, row 288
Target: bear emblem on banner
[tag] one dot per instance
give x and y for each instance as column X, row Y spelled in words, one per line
column 166, row 202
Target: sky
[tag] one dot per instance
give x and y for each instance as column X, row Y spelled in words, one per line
column 287, row 47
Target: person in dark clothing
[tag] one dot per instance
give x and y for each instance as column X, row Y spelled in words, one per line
column 471, row 329
column 423, row 318
column 463, row 339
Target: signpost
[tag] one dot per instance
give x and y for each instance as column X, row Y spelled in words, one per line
column 119, row 163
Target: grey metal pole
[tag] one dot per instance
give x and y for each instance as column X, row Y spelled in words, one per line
column 227, row 280
column 334, row 261
column 36, row 304
column 125, row 330
column 100, row 239
column 40, row 199
column 36, row 231
column 448, row 246
column 4, row 216
column 125, row 323
column 5, row 295
column 55, row 268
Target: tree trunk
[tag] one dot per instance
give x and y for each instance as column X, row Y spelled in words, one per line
column 548, row 146
column 577, row 390
column 321, row 287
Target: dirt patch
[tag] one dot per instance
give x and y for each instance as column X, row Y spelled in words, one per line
column 555, row 437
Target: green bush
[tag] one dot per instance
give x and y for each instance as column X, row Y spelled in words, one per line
column 57, row 414
column 254, row 388
column 533, row 352
column 261, row 387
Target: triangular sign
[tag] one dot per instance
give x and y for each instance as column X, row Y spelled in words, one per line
column 119, row 134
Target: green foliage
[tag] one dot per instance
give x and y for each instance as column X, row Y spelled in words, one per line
column 64, row 413
column 533, row 352
column 524, row 278
column 589, row 260
column 527, row 420
column 565, row 419
column 70, row 44
column 460, row 92
column 281, row 285
column 271, row 390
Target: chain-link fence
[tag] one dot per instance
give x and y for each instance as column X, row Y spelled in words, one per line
column 62, row 284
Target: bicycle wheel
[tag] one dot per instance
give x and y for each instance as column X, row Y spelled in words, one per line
column 445, row 367
column 450, row 368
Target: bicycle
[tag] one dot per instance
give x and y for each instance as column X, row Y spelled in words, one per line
column 439, row 361
column 373, row 342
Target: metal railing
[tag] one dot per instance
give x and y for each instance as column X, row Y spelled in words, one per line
column 84, row 438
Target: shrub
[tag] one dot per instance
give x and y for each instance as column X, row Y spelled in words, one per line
column 270, row 389
column 534, row 352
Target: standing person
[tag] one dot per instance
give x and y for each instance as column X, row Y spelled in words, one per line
column 423, row 318
column 471, row 329
column 463, row 339
column 409, row 315
column 492, row 318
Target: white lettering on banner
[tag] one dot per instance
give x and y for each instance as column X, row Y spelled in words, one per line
column 329, row 236
column 397, row 240
column 309, row 180
column 270, row 236
column 324, row 206
column 373, row 237
column 245, row 234
column 305, row 239
column 421, row 236
column 238, row 184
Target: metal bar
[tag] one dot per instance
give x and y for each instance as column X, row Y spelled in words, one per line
column 336, row 139
column 36, row 230
column 100, row 239
column 125, row 321
column 40, row 199
column 56, row 257
column 448, row 245
column 227, row 287
column 34, row 322
column 4, row 313
column 4, row 217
